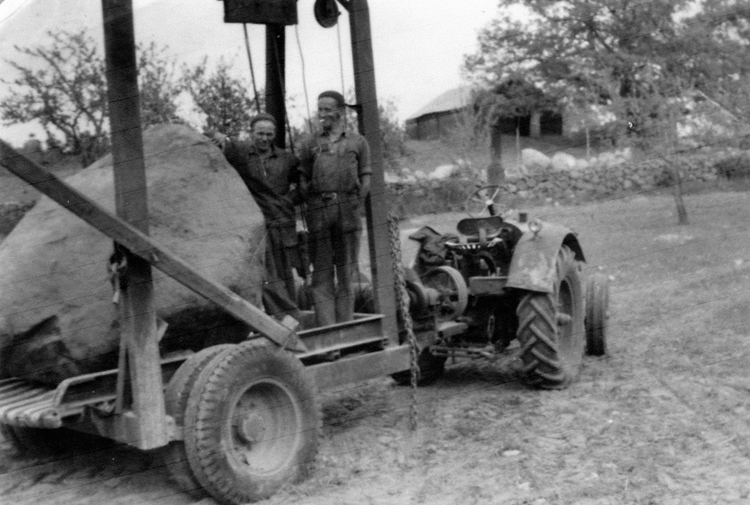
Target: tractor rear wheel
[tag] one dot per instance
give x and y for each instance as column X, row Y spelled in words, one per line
column 252, row 423
column 597, row 307
column 551, row 328
column 176, row 398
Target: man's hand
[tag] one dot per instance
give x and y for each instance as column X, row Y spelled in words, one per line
column 219, row 139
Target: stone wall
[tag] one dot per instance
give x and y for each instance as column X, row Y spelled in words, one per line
column 581, row 180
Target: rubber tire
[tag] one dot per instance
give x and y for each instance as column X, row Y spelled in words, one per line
column 431, row 368
column 176, row 397
column 552, row 358
column 597, row 306
column 212, row 442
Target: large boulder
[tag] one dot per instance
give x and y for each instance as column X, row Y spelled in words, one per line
column 535, row 161
column 57, row 318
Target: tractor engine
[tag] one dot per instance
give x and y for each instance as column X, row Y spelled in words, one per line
column 462, row 277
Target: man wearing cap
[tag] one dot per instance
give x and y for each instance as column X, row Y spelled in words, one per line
column 270, row 174
column 335, row 177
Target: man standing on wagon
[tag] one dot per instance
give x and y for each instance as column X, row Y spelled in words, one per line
column 270, row 174
column 335, row 177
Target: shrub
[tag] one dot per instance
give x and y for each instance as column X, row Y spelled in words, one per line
column 733, row 167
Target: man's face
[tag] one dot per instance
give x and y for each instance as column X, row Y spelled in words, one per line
column 263, row 134
column 329, row 112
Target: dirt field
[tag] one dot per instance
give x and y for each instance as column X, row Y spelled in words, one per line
column 663, row 420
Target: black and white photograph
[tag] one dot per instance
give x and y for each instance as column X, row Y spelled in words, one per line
column 384, row 252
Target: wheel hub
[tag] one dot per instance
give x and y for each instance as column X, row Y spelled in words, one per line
column 251, row 428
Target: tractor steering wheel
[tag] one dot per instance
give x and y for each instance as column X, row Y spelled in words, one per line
column 483, row 202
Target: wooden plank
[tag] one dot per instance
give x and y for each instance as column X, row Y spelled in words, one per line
column 143, row 246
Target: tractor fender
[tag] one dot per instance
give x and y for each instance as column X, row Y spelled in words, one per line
column 533, row 265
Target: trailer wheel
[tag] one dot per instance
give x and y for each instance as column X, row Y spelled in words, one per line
column 551, row 328
column 176, row 398
column 597, row 306
column 252, row 423
column 431, row 368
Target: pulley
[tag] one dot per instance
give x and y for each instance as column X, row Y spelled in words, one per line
column 326, row 13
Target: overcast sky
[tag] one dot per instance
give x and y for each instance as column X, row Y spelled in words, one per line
column 418, row 44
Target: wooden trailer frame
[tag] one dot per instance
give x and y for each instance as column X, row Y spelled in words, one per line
column 96, row 402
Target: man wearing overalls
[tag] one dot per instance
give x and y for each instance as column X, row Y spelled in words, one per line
column 270, row 174
column 335, row 176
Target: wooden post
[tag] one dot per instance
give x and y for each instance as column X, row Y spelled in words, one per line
column 375, row 205
column 137, row 313
column 275, row 77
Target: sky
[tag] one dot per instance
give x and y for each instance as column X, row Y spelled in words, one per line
column 418, row 45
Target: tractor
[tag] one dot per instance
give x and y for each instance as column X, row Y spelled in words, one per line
column 504, row 285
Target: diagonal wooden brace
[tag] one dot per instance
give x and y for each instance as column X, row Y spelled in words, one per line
column 142, row 245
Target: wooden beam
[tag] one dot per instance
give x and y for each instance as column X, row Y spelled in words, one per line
column 144, row 247
column 138, row 338
column 375, row 206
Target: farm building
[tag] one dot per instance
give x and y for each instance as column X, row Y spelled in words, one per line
column 440, row 115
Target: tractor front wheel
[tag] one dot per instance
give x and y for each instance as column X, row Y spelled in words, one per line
column 597, row 308
column 252, row 423
column 551, row 328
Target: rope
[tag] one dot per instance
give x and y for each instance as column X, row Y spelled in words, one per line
column 341, row 59
column 304, row 78
column 252, row 69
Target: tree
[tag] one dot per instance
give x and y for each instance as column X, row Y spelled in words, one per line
column 224, row 99
column 159, row 85
column 66, row 92
column 65, row 89
column 611, row 51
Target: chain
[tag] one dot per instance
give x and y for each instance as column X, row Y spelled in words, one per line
column 402, row 299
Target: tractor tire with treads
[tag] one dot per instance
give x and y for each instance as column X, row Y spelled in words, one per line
column 176, row 398
column 597, row 308
column 551, row 328
column 252, row 423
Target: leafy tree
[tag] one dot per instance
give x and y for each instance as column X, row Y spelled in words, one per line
column 616, row 52
column 65, row 90
column 224, row 99
column 158, row 85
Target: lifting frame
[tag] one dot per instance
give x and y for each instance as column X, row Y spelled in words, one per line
column 98, row 397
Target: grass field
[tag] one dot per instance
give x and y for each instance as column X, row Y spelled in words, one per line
column 662, row 420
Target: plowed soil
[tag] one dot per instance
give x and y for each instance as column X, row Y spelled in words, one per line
column 662, row 420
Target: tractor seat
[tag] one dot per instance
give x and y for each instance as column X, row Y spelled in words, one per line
column 480, row 229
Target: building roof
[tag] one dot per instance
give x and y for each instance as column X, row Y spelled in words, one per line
column 453, row 99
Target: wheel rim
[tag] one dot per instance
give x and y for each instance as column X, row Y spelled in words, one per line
column 263, row 428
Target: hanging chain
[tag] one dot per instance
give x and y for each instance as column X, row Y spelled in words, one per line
column 402, row 299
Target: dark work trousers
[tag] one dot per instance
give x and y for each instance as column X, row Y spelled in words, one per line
column 279, row 290
column 334, row 235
